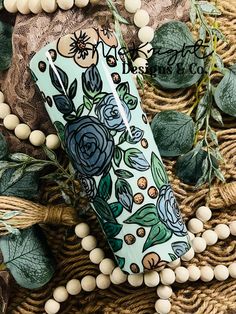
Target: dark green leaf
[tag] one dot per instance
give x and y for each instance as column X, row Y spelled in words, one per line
column 173, row 132
column 103, row 210
column 59, row 79
column 73, row 89
column 92, row 82
column 124, row 194
column 5, row 45
column 117, row 156
column 105, row 187
column 112, row 229
column 123, row 174
column 116, row 244
column 80, row 110
column 146, row 216
column 131, row 101
column 120, row 261
column 60, row 130
column 123, row 89
column 3, row 147
column 116, row 209
column 16, row 175
column 87, row 103
column 158, row 171
column 135, row 159
column 158, row 234
column 27, row 258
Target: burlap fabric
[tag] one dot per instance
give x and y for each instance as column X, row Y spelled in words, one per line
column 73, row 262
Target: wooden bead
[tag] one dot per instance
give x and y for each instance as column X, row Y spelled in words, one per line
column 194, row 273
column 146, row 34
column 210, row 237
column 5, row 110
column 221, row 272
column 195, row 226
column 2, row 98
column 145, row 51
column 37, row 138
column 81, row 3
column 135, row 280
column 164, row 292
column 60, row 294
column 163, row 306
column 222, row 231
column 96, row 255
column 95, row 1
column 191, row 235
column 118, row 277
column 22, row 131
column 232, row 270
column 73, row 287
column 207, row 273
column 52, row 307
column 35, row 6
column 167, row 277
column 10, row 6
column 188, row 256
column 11, row 121
column 106, row 266
column 181, row 274
column 65, row 4
column 141, row 64
column 89, row 243
column 232, row 227
column 49, row 6
column 52, row 141
column 103, row 281
column 132, row 6
column 151, row 278
column 141, row 18
column 23, row 6
column 175, row 264
column 88, row 283
column 199, row 244
column 204, row 213
column 82, row 230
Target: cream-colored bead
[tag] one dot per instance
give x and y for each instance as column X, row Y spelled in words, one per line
column 49, row 6
column 145, row 51
column 81, row 3
column 2, row 98
column 199, row 244
column 167, row 277
column 195, row 225
column 52, row 307
column 65, row 4
column 207, row 273
column 88, row 283
column 52, row 141
column 117, row 276
column 135, row 280
column 141, row 65
column 146, row 34
column 191, row 235
column 181, row 274
column 103, row 281
column 11, row 121
column 5, row 110
column 194, row 273
column 82, row 230
column 210, row 237
column 35, row 6
column 151, row 278
column 37, row 138
column 164, row 292
column 221, row 272
column 174, row 264
column 106, row 266
column 188, row 256
column 96, row 255
column 132, row 6
column 60, row 294
column 141, row 18
column 73, row 287
column 22, row 131
column 10, row 6
column 163, row 306
column 204, row 213
column 222, row 231
column 232, row 270
column 23, row 6
column 89, row 243
column 232, row 227
column 95, row 1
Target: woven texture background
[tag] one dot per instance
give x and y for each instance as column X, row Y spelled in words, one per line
column 198, row 298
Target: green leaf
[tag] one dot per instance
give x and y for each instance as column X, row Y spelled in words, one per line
column 50, row 153
column 80, row 110
column 123, row 174
column 208, row 8
column 193, row 14
column 59, row 79
column 3, row 147
column 172, row 61
column 173, row 132
column 99, row 96
column 16, row 175
column 5, row 45
column 218, row 34
column 146, row 216
column 116, row 244
column 131, row 101
column 92, row 82
column 112, row 229
column 158, row 234
column 137, row 135
column 1, row 4
column 124, row 194
column 120, row 261
column 87, row 103
column 20, row 157
column 172, row 256
column 73, row 89
column 105, row 187
column 135, row 159
column 116, row 209
column 123, row 89
column 117, row 156
column 115, row 12
column 60, row 130
column 225, row 94
column 27, row 258
column 103, row 210
column 158, row 171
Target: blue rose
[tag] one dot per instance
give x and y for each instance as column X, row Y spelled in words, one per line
column 168, row 211
column 111, row 114
column 89, row 145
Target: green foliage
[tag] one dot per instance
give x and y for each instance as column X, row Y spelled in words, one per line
column 146, row 216
column 158, row 234
column 158, row 171
column 5, row 45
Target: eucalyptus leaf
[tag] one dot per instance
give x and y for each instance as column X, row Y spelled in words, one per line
column 173, row 132
column 209, row 8
column 20, row 157
column 3, row 147
column 1, row 4
column 5, row 45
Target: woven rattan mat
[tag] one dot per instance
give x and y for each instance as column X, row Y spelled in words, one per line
column 198, row 298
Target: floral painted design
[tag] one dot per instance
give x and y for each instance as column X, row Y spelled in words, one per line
column 153, row 261
column 108, row 36
column 89, row 185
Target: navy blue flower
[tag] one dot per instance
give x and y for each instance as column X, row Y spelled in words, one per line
column 89, row 145
column 168, row 211
column 111, row 114
column 89, row 186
